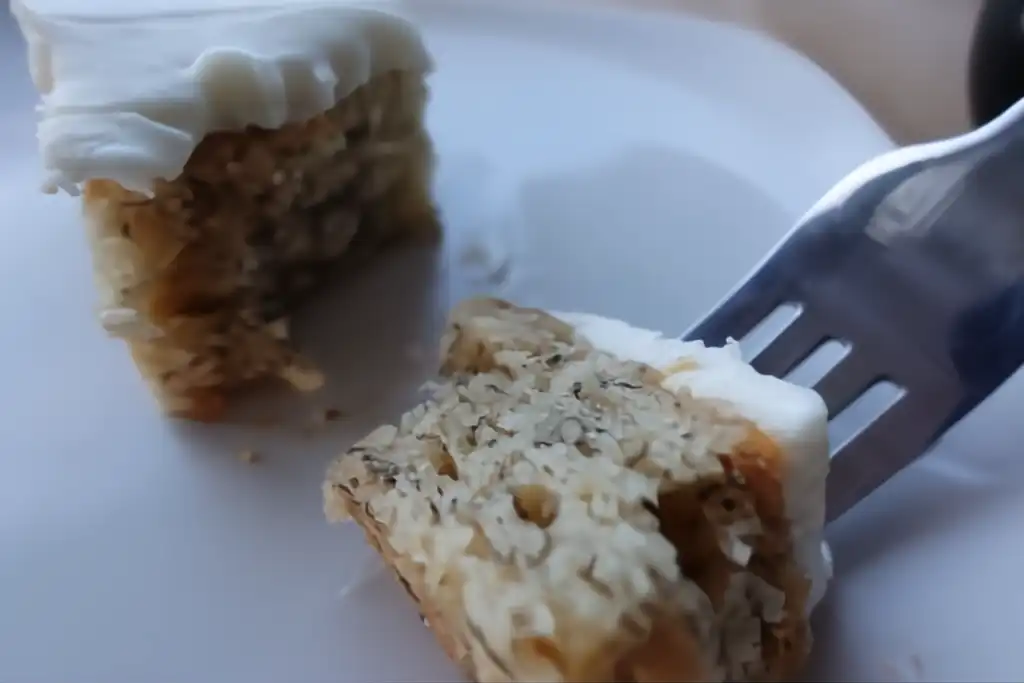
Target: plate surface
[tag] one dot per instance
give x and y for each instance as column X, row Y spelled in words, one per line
column 630, row 164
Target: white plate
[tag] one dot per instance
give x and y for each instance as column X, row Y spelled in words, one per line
column 633, row 165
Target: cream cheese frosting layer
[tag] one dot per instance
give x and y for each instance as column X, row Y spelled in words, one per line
column 129, row 89
column 796, row 418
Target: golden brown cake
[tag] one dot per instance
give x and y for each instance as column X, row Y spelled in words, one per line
column 579, row 500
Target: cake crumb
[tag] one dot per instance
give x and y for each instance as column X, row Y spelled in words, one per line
column 304, row 379
column 278, row 329
column 322, row 417
column 249, row 456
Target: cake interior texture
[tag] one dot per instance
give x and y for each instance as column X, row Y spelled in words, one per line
column 558, row 515
column 201, row 277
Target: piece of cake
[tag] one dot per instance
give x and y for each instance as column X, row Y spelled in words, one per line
column 228, row 159
column 581, row 500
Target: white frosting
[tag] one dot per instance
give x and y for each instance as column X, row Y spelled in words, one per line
column 796, row 418
column 130, row 87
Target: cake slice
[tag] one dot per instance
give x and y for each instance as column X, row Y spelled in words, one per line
column 581, row 500
column 228, row 159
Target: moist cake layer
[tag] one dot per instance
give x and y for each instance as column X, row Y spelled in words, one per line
column 795, row 418
column 201, row 277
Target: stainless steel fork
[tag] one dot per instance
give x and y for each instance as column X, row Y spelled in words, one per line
column 915, row 261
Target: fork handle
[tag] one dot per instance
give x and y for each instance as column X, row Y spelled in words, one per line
column 987, row 344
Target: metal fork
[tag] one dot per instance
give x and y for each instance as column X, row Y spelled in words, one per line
column 915, row 262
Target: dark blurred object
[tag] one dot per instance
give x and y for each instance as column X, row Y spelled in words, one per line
column 996, row 71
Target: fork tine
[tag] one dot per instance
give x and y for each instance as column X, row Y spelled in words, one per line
column 850, row 378
column 737, row 314
column 867, row 459
column 793, row 345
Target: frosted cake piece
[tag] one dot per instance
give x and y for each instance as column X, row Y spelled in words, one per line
column 228, row 158
column 581, row 500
